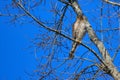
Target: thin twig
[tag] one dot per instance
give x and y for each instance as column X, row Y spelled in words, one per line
column 77, row 76
column 115, row 54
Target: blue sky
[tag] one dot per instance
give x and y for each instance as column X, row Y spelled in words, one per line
column 15, row 56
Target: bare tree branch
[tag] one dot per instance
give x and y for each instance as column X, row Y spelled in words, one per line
column 109, row 67
column 105, row 30
column 113, row 3
column 107, row 64
column 65, row 2
column 57, row 32
column 54, row 37
column 77, row 76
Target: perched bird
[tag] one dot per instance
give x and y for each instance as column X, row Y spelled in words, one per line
column 78, row 32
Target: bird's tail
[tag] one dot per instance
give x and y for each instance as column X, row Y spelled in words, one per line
column 74, row 46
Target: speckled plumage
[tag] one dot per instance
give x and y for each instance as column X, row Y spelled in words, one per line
column 78, row 33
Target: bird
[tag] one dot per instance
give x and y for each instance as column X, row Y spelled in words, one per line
column 78, row 32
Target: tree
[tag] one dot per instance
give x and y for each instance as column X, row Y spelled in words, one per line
column 94, row 57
